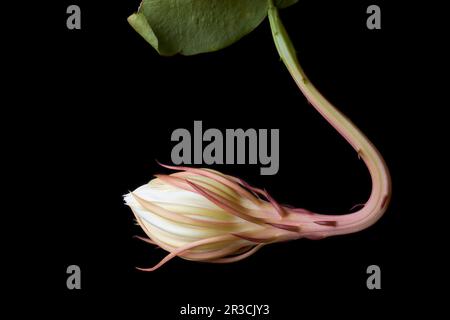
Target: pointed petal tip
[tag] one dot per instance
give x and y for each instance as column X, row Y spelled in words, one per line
column 326, row 223
column 147, row 269
column 146, row 240
column 285, row 227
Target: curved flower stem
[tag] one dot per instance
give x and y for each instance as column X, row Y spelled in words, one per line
column 381, row 182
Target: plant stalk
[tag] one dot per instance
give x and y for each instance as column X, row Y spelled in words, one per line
column 381, row 181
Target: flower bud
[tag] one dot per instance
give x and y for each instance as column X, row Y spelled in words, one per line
column 203, row 215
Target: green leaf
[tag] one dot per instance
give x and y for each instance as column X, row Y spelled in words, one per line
column 284, row 3
column 194, row 26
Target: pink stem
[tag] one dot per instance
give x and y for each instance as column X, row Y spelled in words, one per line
column 381, row 182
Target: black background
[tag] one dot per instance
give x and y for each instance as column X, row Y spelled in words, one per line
column 107, row 104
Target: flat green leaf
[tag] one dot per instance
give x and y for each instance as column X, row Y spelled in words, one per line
column 284, row 3
column 194, row 26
